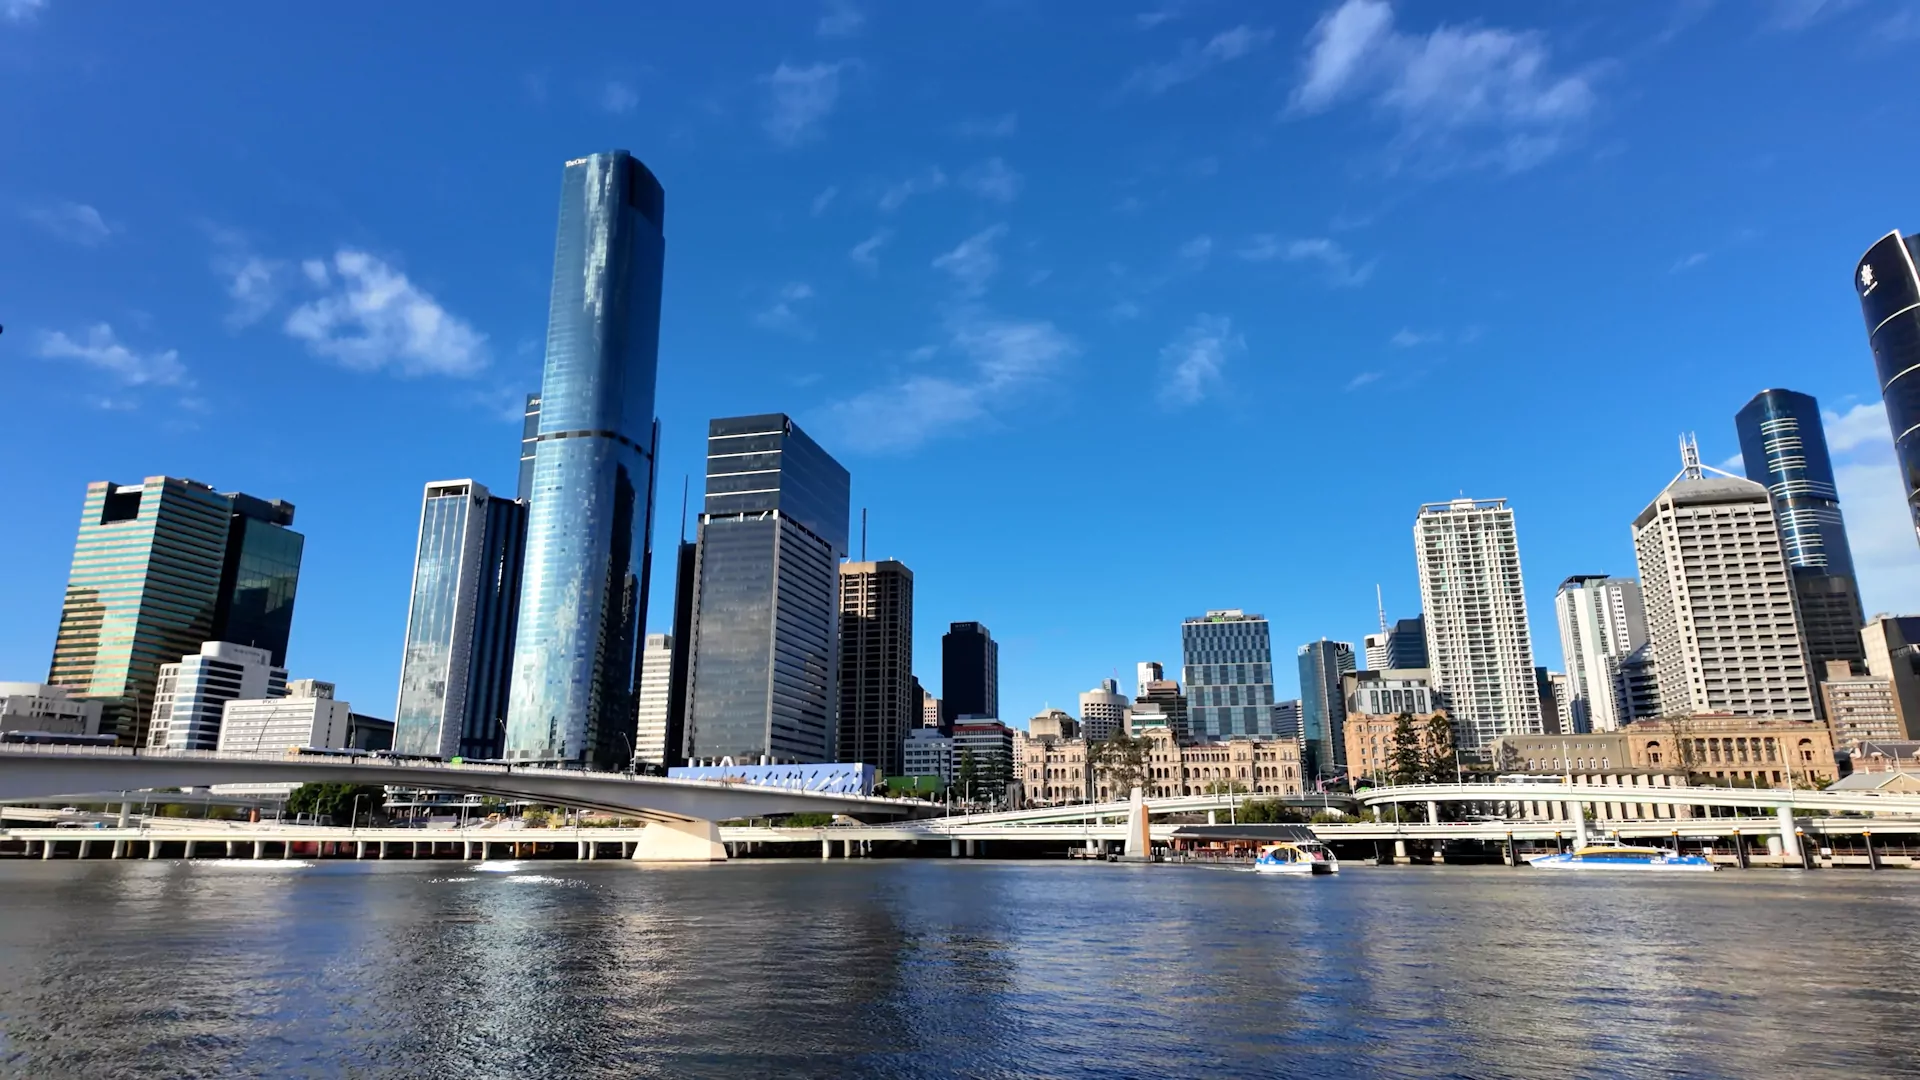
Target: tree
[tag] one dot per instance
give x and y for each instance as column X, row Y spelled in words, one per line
column 1269, row 812
column 336, row 801
column 968, row 773
column 1123, row 762
column 1226, row 787
column 1404, row 764
column 1439, row 764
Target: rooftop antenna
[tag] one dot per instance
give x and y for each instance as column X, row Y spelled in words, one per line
column 863, row 534
column 1382, row 604
column 1690, row 466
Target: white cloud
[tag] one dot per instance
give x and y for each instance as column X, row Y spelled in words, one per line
column 841, row 19
column 896, row 195
column 867, row 252
column 1193, row 362
column 253, row 282
column 1443, row 85
column 1687, row 262
column 1260, row 247
column 824, row 200
column 21, row 10
column 373, row 317
column 617, row 97
column 1862, row 425
column 993, row 180
column 1333, row 258
column 1407, row 338
column 1195, row 60
column 1363, row 379
column 989, row 127
column 72, row 221
column 998, row 360
column 1147, row 20
column 800, row 99
column 1800, row 14
column 1873, row 500
column 974, row 261
column 1124, row 311
column 1737, row 465
column 1196, row 251
column 781, row 316
column 101, row 349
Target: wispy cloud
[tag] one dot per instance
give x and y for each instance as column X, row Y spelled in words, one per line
column 1362, row 379
column 1193, row 363
column 1879, row 526
column 896, row 195
column 21, row 10
column 1687, row 262
column 1195, row 252
column 1800, row 14
column 254, row 283
column 371, row 316
column 799, row 100
column 1444, row 87
column 1147, row 20
column 75, row 222
column 101, row 349
column 974, row 261
column 989, row 127
column 1862, row 425
column 841, row 19
column 782, row 315
column 1331, row 257
column 618, row 98
column 824, row 200
column 992, row 179
column 1261, row 247
column 1406, row 338
column 866, row 253
column 1195, row 59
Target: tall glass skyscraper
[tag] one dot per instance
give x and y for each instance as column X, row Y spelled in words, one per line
column 589, row 526
column 765, row 651
column 456, row 670
column 1889, row 289
column 1783, row 446
column 1323, row 706
column 259, row 576
column 1227, row 658
column 969, row 673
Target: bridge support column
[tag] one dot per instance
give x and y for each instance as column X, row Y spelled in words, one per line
column 359, row 849
column 846, row 849
column 259, row 849
column 46, row 849
column 1513, row 851
column 229, row 849
column 119, row 849
column 126, row 813
column 1873, row 857
column 153, row 849
column 466, row 849
column 680, row 841
column 1400, row 850
column 969, row 849
column 1789, row 843
column 1139, row 840
column 826, row 848
column 1578, row 812
column 85, row 846
column 190, row 847
column 1433, row 812
column 1740, row 849
column 953, row 847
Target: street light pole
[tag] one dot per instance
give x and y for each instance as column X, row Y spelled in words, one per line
column 355, row 824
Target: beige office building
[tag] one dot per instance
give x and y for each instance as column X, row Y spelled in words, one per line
column 1860, row 708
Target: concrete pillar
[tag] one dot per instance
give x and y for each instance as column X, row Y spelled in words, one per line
column 1774, row 847
column 84, row 846
column 46, row 849
column 1399, row 850
column 846, row 849
column 414, row 853
column 119, row 849
column 153, row 849
column 466, row 848
column 126, row 813
column 1213, row 817
column 1873, row 857
column 1789, row 843
column 1433, row 812
column 359, row 849
column 229, row 849
column 259, row 849
column 1579, row 814
column 486, row 850
column 826, row 848
column 627, row 850
column 953, row 847
column 190, row 846
column 970, row 848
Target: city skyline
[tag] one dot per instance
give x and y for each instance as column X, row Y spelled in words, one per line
column 361, row 518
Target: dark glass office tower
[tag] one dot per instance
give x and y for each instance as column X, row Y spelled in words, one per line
column 765, row 664
column 593, row 469
column 259, row 576
column 457, row 666
column 1323, row 706
column 685, row 565
column 879, row 698
column 1407, row 643
column 969, row 673
column 1889, row 289
column 529, row 438
column 1783, row 446
column 1227, row 657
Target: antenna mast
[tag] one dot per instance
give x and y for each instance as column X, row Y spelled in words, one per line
column 1690, row 457
column 1382, row 604
column 863, row 534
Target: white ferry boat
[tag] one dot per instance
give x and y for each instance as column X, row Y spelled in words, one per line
column 1299, row 857
column 1621, row 857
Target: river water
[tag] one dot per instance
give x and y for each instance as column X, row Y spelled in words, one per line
column 927, row 968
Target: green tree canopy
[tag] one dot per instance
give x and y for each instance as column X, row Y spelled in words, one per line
column 336, row 801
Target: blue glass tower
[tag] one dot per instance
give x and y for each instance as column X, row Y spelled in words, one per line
column 1889, row 288
column 1323, row 706
column 1783, row 446
column 590, row 524
column 1228, row 661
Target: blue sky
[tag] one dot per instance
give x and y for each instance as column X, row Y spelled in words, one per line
column 1116, row 314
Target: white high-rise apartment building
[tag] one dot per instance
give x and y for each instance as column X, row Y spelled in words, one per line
column 1146, row 672
column 1376, row 646
column 190, row 697
column 1602, row 619
column 1721, row 613
column 650, row 711
column 1104, row 710
column 1478, row 646
column 308, row 715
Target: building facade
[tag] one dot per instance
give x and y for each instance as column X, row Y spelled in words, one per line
column 877, row 700
column 456, row 667
column 191, row 695
column 1721, row 611
column 1057, row 772
column 1472, row 596
column 1892, row 645
column 926, row 752
column 1164, row 695
column 307, row 715
column 1323, row 706
column 26, row 706
column 650, row 737
column 158, row 569
column 529, row 442
column 1370, row 742
column 982, row 748
column 589, row 523
column 969, row 673
column 1227, row 664
column 1407, row 644
column 1377, row 650
column 1859, row 708
column 1105, row 711
column 765, row 680
column 1889, row 291
column 1602, row 620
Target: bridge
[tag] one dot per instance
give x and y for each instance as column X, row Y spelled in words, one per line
column 681, row 814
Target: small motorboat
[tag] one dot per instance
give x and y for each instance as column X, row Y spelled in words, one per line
column 1608, row 856
column 1296, row 857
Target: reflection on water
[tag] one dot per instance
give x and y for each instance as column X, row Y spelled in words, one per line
column 947, row 968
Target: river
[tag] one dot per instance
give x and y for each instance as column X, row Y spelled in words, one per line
column 932, row 968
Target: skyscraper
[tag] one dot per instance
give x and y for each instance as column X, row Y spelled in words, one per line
column 191, row 692
column 1227, row 657
column 1784, row 447
column 456, row 667
column 159, row 569
column 1147, row 671
column 650, row 700
column 1475, row 605
column 529, row 440
column 1893, row 653
column 1602, row 620
column 679, row 679
column 1165, row 695
column 878, row 702
column 1376, row 646
column 1103, row 710
column 1889, row 289
column 589, row 525
column 1407, row 644
column 765, row 653
column 1323, row 706
column 1720, row 600
column 969, row 673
